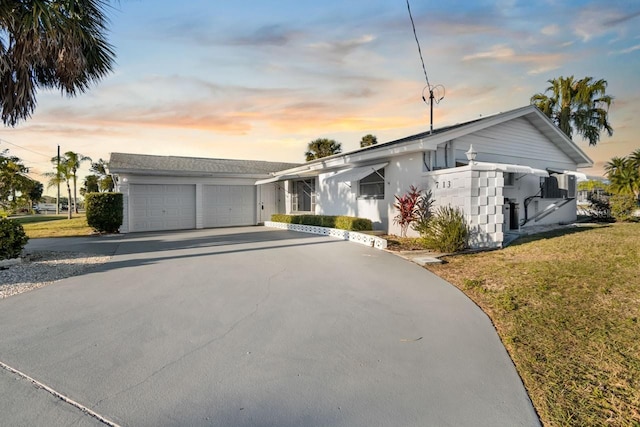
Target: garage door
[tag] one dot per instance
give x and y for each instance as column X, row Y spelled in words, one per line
column 162, row 207
column 228, row 205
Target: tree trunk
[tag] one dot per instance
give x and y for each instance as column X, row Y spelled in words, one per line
column 69, row 199
column 75, row 199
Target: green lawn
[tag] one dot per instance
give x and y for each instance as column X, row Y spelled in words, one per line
column 55, row 226
column 567, row 307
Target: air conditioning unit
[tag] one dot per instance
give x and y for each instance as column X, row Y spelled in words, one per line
column 567, row 185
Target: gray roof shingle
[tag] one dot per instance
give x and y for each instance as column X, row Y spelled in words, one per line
column 125, row 162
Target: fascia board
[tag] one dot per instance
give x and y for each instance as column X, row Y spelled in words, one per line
column 195, row 174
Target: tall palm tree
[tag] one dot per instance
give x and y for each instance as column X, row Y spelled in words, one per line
column 50, row 45
column 74, row 160
column 579, row 106
column 62, row 175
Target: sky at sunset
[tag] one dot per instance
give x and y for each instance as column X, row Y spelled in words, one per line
column 260, row 79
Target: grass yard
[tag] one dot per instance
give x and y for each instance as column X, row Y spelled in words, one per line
column 566, row 305
column 55, row 226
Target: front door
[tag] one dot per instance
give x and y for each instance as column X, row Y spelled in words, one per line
column 268, row 201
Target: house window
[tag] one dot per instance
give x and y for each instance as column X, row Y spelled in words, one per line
column 304, row 196
column 372, row 186
column 509, row 179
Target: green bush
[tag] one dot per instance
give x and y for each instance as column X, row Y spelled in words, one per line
column 353, row 223
column 447, row 230
column 12, row 239
column 623, row 206
column 104, row 211
column 349, row 223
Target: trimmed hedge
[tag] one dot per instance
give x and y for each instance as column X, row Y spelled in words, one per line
column 12, row 239
column 104, row 211
column 349, row 223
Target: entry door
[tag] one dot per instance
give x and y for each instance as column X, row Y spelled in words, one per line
column 268, row 201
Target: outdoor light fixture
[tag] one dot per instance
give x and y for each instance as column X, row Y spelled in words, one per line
column 471, row 155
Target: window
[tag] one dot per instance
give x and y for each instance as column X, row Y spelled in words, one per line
column 372, row 186
column 304, row 196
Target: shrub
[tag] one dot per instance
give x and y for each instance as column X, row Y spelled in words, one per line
column 623, row 206
column 599, row 208
column 12, row 239
column 104, row 211
column 353, row 224
column 423, row 213
column 447, row 231
column 349, row 223
column 406, row 206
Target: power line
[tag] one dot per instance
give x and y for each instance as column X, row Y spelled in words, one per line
column 413, row 25
column 24, row 148
column 439, row 88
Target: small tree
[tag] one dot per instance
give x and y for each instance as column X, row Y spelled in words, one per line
column 368, row 140
column 322, row 147
column 406, row 207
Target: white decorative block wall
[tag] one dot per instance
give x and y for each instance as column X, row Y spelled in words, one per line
column 352, row 236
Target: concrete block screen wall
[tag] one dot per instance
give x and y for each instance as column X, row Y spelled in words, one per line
column 479, row 194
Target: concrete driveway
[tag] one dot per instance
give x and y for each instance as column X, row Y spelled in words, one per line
column 253, row 327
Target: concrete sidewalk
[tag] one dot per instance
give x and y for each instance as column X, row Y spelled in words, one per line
column 256, row 327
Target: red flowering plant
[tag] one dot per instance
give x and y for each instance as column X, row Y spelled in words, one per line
column 407, row 209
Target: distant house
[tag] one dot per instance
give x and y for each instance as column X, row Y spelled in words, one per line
column 521, row 176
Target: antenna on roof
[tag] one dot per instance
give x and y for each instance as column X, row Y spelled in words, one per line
column 436, row 93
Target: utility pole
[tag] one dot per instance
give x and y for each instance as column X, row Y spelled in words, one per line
column 58, row 181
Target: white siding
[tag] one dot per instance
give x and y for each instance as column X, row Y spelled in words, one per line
column 515, row 142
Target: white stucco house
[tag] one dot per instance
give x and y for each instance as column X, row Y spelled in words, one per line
column 523, row 174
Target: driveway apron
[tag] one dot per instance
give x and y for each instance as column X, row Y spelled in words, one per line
column 254, row 327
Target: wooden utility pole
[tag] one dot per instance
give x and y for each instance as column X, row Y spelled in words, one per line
column 58, row 180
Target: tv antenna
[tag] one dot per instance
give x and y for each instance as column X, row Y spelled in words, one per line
column 436, row 93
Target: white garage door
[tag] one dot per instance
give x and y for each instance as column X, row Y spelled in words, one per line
column 228, row 205
column 162, row 207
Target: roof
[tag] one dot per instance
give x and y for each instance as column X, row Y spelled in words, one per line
column 160, row 165
column 430, row 140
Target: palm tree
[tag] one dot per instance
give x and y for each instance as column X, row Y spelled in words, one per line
column 614, row 166
column 322, row 147
column 62, row 175
column 624, row 174
column 74, row 160
column 579, row 106
column 50, row 45
column 105, row 181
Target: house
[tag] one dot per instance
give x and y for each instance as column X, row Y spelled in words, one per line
column 506, row 172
